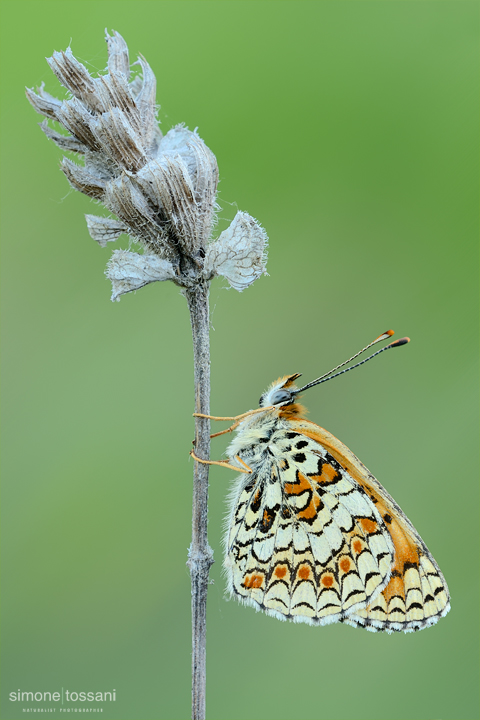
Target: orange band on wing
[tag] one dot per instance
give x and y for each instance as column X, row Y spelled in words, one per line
column 405, row 546
column 297, row 488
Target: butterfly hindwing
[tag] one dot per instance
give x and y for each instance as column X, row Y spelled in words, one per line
column 313, row 537
column 304, row 540
column 416, row 595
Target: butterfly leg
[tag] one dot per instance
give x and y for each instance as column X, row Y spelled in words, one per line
column 235, row 417
column 213, row 417
column 229, row 429
column 224, row 463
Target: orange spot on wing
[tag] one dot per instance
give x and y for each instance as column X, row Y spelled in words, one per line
column 345, row 564
column 405, row 552
column 394, row 587
column 404, row 542
column 253, row 581
column 304, row 572
column 311, row 509
column 328, row 474
column 298, row 488
column 405, row 548
column 280, row 572
column 357, row 546
column 327, row 580
column 369, row 525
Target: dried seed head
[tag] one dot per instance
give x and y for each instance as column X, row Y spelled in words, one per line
column 162, row 189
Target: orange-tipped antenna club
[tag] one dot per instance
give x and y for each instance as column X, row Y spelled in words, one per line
column 385, row 335
column 329, row 376
column 397, row 343
column 381, row 337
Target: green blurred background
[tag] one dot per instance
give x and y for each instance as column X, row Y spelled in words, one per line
column 349, row 129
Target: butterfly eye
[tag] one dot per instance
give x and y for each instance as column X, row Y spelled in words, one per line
column 280, row 396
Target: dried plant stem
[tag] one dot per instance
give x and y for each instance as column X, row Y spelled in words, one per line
column 162, row 189
column 200, row 556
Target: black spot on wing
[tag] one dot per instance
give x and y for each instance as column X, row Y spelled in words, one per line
column 370, row 575
column 324, row 607
column 305, row 604
column 354, row 592
column 257, row 499
column 299, row 457
column 301, row 444
column 331, row 461
column 414, row 605
column 268, row 519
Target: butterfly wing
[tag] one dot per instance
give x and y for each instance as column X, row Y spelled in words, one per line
column 304, row 541
column 416, row 595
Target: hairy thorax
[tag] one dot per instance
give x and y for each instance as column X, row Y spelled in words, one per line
column 260, row 440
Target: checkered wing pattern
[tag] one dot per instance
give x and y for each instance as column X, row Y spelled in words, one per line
column 416, row 595
column 313, row 537
column 305, row 542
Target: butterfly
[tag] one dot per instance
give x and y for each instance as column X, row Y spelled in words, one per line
column 311, row 536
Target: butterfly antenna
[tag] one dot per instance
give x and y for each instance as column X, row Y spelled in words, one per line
column 329, row 376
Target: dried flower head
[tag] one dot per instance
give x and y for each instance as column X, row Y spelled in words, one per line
column 162, row 189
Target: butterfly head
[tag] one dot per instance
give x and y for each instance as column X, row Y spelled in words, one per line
column 281, row 392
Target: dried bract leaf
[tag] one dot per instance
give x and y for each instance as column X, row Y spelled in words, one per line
column 73, row 75
column 104, row 230
column 82, row 180
column 145, row 101
column 77, row 119
column 130, row 271
column 118, row 61
column 124, row 198
column 113, row 91
column 44, row 103
column 194, row 153
column 169, row 189
column 239, row 254
column 135, row 86
column 65, row 142
column 117, row 138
